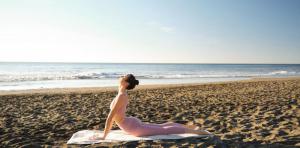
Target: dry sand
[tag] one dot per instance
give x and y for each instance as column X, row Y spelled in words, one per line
column 248, row 113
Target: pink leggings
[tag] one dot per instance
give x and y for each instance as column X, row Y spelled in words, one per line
column 134, row 126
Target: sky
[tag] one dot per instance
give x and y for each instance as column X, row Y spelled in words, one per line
column 153, row 31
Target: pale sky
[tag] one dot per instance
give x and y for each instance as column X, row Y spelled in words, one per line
column 153, row 31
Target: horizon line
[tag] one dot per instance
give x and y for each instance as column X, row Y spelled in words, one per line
column 137, row 62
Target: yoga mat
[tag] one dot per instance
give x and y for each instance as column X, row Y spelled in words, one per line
column 82, row 137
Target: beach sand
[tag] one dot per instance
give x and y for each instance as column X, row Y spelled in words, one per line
column 248, row 113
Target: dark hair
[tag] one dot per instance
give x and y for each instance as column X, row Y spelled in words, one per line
column 132, row 81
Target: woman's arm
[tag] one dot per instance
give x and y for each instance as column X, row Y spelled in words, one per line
column 109, row 121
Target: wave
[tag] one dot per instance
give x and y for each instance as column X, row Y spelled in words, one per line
column 16, row 77
column 281, row 72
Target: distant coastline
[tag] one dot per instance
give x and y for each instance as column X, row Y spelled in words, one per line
column 152, row 63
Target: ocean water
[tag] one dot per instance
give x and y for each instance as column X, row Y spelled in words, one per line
column 20, row 76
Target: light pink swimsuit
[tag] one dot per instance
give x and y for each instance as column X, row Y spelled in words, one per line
column 134, row 126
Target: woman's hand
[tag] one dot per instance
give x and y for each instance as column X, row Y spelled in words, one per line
column 97, row 137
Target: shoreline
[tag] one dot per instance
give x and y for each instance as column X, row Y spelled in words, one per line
column 87, row 90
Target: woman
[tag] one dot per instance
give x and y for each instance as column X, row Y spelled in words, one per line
column 134, row 126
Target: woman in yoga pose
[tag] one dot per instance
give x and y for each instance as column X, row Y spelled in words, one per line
column 134, row 126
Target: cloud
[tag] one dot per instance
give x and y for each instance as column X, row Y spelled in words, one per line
column 161, row 27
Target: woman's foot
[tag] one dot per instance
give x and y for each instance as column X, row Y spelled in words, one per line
column 199, row 132
column 194, row 127
column 207, row 132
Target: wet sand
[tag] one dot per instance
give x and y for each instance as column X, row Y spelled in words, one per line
column 248, row 113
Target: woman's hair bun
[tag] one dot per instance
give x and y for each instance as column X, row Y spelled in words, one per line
column 136, row 82
column 131, row 81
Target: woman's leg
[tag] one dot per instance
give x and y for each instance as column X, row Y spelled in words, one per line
column 147, row 129
column 195, row 127
column 155, row 129
column 189, row 128
column 164, row 124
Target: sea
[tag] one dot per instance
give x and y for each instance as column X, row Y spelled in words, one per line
column 33, row 75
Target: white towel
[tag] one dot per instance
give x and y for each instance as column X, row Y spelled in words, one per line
column 82, row 137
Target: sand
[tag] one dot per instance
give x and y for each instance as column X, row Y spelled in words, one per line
column 249, row 113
